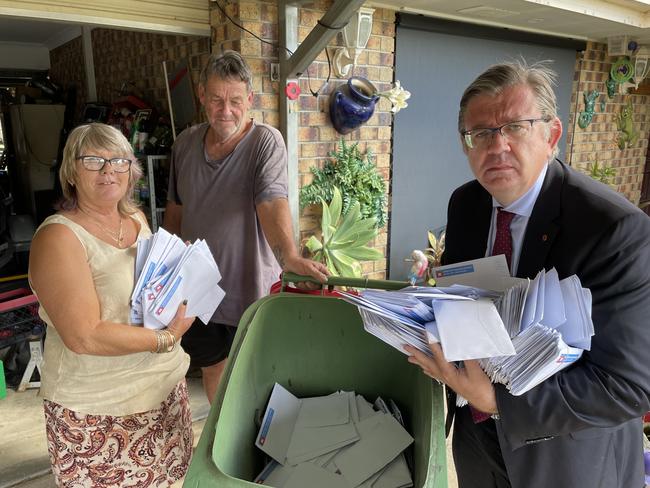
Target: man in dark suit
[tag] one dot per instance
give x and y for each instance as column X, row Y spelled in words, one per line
column 582, row 427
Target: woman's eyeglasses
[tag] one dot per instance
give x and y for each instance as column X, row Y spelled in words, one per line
column 96, row 163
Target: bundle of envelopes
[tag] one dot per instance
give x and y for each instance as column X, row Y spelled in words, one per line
column 554, row 329
column 333, row 441
column 169, row 271
column 522, row 333
column 464, row 320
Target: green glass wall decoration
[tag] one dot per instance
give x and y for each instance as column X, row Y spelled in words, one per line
column 588, row 114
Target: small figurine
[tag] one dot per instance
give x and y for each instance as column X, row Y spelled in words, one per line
column 590, row 101
column 419, row 266
column 612, row 86
column 628, row 135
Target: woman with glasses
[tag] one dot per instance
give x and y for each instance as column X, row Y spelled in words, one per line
column 116, row 414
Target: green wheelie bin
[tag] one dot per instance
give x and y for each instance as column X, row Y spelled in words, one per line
column 312, row 345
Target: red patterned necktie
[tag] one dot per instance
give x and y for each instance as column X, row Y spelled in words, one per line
column 502, row 245
column 503, row 239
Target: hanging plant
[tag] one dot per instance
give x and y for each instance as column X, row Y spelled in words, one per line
column 357, row 178
column 344, row 238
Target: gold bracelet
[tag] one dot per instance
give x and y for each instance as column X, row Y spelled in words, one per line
column 173, row 339
column 160, row 337
column 165, row 341
column 162, row 342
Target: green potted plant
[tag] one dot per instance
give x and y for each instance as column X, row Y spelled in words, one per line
column 344, row 238
column 356, row 177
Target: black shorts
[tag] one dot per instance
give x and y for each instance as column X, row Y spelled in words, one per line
column 208, row 344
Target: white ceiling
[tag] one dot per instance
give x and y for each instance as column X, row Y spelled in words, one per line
column 40, row 32
column 578, row 19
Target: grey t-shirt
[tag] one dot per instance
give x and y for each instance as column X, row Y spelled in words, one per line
column 219, row 198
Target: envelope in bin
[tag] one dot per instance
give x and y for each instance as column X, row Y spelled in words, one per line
column 295, row 430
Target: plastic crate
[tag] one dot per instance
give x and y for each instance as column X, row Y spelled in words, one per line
column 19, row 318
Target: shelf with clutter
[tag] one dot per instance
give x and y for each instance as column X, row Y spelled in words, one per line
column 150, row 191
column 151, row 138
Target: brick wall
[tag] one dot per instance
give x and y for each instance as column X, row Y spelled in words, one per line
column 67, row 68
column 130, row 59
column 316, row 135
column 599, row 139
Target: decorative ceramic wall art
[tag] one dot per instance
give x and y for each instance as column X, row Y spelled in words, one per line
column 590, row 101
column 352, row 104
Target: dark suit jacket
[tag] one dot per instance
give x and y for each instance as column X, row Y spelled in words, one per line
column 582, row 427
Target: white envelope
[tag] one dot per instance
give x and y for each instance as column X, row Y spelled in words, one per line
column 554, row 313
column 490, row 273
column 195, row 280
column 471, row 330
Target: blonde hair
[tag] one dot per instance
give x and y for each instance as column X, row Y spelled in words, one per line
column 99, row 137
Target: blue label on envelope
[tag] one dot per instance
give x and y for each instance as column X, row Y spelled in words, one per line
column 567, row 358
column 169, row 295
column 468, row 268
column 266, row 426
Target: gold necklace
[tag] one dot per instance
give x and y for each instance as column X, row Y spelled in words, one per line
column 118, row 236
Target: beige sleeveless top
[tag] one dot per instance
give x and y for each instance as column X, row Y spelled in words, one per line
column 107, row 385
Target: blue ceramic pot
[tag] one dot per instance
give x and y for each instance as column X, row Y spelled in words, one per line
column 352, row 104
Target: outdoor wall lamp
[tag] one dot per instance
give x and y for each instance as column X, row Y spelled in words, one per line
column 355, row 37
column 638, row 66
column 641, row 61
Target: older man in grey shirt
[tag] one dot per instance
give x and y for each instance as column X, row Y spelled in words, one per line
column 228, row 185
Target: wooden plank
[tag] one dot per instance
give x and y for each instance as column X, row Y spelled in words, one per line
column 336, row 16
column 288, row 36
column 189, row 17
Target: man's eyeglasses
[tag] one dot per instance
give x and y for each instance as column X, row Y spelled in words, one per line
column 96, row 163
column 512, row 131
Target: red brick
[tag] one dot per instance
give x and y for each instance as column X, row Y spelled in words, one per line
column 309, row 134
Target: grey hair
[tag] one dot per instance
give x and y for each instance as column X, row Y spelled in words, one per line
column 227, row 65
column 98, row 137
column 538, row 76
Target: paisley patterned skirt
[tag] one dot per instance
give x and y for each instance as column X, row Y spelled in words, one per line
column 140, row 450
